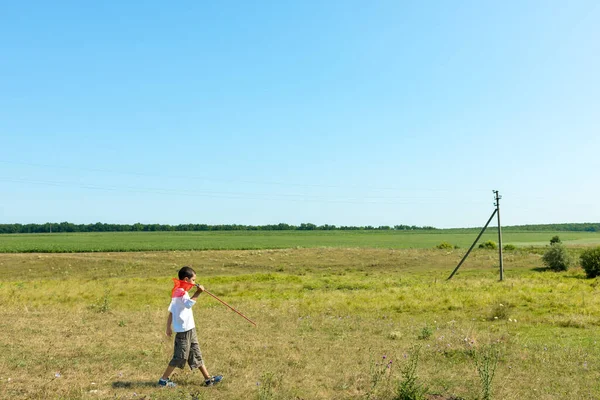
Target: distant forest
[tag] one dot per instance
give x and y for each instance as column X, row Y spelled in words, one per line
column 139, row 227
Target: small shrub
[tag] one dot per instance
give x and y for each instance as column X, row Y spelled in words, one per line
column 509, row 247
column 590, row 261
column 444, row 246
column 425, row 333
column 557, row 258
column 554, row 240
column 103, row 304
column 490, row 245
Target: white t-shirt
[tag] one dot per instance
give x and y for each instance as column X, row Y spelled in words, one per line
column 183, row 317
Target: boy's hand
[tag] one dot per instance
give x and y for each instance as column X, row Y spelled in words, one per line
column 169, row 331
column 199, row 289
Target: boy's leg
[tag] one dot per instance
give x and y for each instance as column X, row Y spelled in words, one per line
column 168, row 372
column 204, row 372
column 181, row 349
column 164, row 381
column 180, row 355
column 195, row 357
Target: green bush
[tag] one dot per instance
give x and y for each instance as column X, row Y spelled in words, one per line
column 490, row 245
column 444, row 246
column 590, row 261
column 555, row 239
column 426, row 333
column 557, row 258
column 510, row 247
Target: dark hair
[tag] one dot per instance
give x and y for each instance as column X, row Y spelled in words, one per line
column 186, row 272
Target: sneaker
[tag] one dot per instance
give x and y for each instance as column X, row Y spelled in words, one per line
column 213, row 380
column 166, row 383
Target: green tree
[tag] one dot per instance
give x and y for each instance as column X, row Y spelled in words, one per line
column 555, row 239
column 590, row 261
column 307, row 227
column 557, row 258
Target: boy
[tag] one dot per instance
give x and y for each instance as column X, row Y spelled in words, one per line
column 182, row 319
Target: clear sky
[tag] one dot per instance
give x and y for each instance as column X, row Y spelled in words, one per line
column 331, row 112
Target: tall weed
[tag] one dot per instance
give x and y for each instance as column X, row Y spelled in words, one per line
column 378, row 372
column 102, row 305
column 408, row 387
column 266, row 386
column 486, row 361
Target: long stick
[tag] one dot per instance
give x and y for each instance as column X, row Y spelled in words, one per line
column 246, row 318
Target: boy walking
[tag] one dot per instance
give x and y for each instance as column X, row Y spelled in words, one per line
column 181, row 318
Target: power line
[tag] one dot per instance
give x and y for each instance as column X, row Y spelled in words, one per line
column 235, row 195
column 228, row 180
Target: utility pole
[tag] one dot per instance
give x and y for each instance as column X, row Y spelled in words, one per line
column 473, row 245
column 497, row 204
column 496, row 211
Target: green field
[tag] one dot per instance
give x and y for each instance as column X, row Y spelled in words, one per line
column 84, row 314
column 244, row 240
column 91, row 325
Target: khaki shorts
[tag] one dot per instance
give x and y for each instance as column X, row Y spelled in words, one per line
column 187, row 349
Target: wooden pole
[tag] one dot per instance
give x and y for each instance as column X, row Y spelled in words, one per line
column 233, row 309
column 498, row 197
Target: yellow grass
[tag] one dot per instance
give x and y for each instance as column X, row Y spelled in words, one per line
column 90, row 326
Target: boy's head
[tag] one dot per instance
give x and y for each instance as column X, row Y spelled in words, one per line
column 187, row 274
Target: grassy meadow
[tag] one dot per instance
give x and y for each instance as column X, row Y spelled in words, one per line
column 91, row 325
column 257, row 240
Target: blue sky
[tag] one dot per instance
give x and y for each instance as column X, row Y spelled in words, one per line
column 330, row 112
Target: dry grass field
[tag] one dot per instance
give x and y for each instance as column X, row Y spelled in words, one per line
column 91, row 326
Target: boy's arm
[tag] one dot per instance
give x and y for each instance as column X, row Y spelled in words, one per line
column 188, row 301
column 199, row 289
column 169, row 322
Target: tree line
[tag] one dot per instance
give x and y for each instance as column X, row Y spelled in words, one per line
column 50, row 227
column 569, row 227
column 139, row 227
